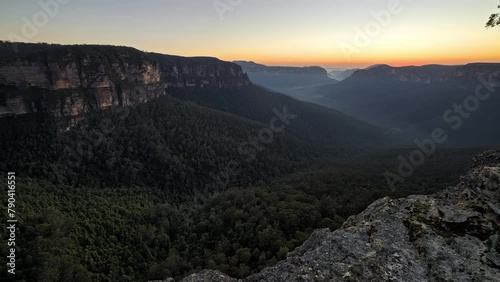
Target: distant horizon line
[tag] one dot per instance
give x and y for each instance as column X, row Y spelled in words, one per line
column 364, row 66
column 341, row 66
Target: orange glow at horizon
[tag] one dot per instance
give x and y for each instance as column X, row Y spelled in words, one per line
column 298, row 33
column 397, row 48
column 416, row 59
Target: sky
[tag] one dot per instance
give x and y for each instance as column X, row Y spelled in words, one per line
column 329, row 33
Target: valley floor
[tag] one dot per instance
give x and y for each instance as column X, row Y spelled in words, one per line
column 99, row 233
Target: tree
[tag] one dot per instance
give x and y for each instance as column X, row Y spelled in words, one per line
column 494, row 20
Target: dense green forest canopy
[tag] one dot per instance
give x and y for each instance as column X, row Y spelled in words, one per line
column 132, row 234
column 134, row 194
column 189, row 182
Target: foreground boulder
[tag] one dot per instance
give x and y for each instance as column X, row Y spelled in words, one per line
column 453, row 235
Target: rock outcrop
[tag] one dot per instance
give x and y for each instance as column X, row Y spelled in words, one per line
column 73, row 80
column 453, row 235
column 200, row 72
column 70, row 81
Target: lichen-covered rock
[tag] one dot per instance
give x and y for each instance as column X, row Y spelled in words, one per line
column 453, row 235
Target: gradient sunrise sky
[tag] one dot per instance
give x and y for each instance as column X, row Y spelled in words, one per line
column 274, row 32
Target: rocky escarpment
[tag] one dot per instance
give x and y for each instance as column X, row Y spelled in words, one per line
column 199, row 72
column 429, row 74
column 73, row 80
column 453, row 235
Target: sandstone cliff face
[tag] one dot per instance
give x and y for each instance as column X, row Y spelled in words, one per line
column 199, row 72
column 430, row 74
column 74, row 80
column 453, row 235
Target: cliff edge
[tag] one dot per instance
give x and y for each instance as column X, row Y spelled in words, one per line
column 453, row 235
column 72, row 80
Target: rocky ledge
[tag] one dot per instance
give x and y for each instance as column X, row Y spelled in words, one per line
column 453, row 235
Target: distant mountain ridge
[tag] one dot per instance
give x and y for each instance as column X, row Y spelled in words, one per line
column 412, row 101
column 249, row 66
column 287, row 80
column 71, row 81
column 281, row 77
column 428, row 73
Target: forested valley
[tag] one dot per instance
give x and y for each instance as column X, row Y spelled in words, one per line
column 145, row 192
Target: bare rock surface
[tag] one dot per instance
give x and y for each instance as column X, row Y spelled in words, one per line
column 71, row 80
column 453, row 235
